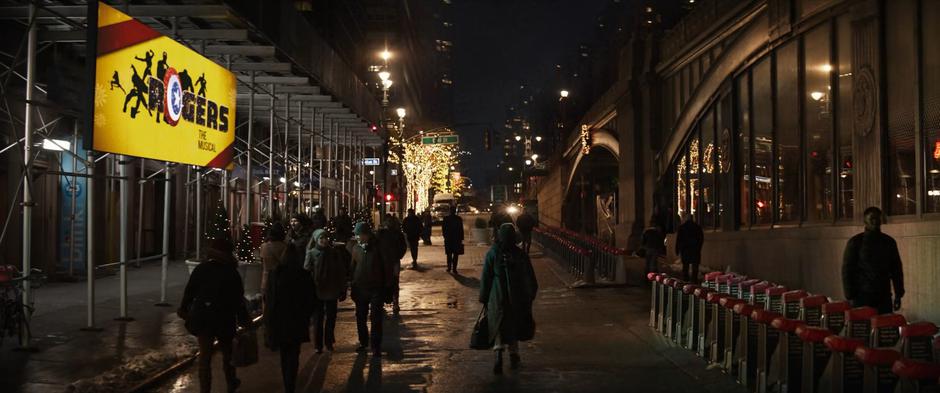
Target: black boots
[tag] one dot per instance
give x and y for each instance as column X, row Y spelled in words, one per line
column 498, row 366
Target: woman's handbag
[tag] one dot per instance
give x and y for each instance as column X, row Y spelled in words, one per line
column 480, row 338
column 245, row 348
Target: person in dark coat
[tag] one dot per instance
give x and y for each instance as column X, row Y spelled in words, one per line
column 452, row 229
column 370, row 287
column 318, row 221
column 413, row 229
column 393, row 246
column 508, row 287
column 654, row 246
column 498, row 218
column 300, row 231
column 329, row 267
column 213, row 303
column 343, row 225
column 526, row 222
column 289, row 304
column 871, row 264
column 689, row 240
column 427, row 223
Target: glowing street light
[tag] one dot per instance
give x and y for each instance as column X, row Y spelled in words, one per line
column 564, row 94
column 283, row 180
column 535, row 156
column 538, row 138
column 385, row 55
column 387, row 84
column 518, row 138
column 384, row 75
column 401, row 113
column 817, row 95
column 510, row 169
column 528, row 162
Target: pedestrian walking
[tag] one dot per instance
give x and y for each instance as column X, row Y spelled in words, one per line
column 272, row 252
column 654, row 246
column 498, row 218
column 413, row 229
column 526, row 222
column 393, row 247
column 329, row 267
column 689, row 240
column 871, row 264
column 370, row 279
column 213, row 304
column 300, row 231
column 289, row 303
column 427, row 223
column 507, row 289
column 343, row 226
column 452, row 229
column 318, row 221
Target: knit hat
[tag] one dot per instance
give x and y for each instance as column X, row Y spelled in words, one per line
column 220, row 250
column 317, row 234
column 362, row 227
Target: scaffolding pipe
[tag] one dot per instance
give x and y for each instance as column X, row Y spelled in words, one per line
column 27, row 159
column 124, row 188
column 140, row 211
column 90, row 245
column 300, row 161
column 198, row 231
column 271, row 180
column 73, row 188
column 166, row 235
column 249, row 184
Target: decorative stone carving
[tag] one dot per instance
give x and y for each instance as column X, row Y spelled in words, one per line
column 864, row 98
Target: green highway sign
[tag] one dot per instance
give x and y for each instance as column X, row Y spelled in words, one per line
column 439, row 140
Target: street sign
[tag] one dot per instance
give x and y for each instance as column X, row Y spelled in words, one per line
column 440, row 140
column 372, row 161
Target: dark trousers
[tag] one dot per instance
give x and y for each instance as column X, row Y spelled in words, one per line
column 369, row 305
column 413, row 247
column 452, row 261
column 324, row 323
column 685, row 272
column 526, row 240
column 290, row 361
column 882, row 303
column 205, row 362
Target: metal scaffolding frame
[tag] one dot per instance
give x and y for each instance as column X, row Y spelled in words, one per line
column 215, row 31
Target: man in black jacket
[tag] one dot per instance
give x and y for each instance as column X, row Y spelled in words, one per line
column 343, row 225
column 370, row 287
column 689, row 240
column 870, row 265
column 413, row 228
column 452, row 229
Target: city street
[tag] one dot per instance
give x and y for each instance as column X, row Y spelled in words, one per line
column 587, row 340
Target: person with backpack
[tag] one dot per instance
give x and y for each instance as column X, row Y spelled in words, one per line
column 393, row 246
column 413, row 229
column 288, row 305
column 507, row 289
column 329, row 267
column 213, row 304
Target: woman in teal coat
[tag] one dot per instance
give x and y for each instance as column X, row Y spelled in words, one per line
column 508, row 287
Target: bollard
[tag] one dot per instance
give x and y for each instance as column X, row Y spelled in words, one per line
column 689, row 317
column 697, row 331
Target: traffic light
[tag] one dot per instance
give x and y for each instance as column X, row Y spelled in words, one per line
column 487, row 139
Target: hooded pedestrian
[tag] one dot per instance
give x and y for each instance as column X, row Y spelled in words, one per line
column 689, row 240
column 871, row 264
column 289, row 303
column 273, row 251
column 370, row 287
column 526, row 222
column 300, row 231
column 393, row 246
column 343, row 226
column 654, row 246
column 413, row 229
column 427, row 223
column 213, row 304
column 329, row 267
column 452, row 229
column 507, row 289
column 318, row 221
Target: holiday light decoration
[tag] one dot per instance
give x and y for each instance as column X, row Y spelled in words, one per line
column 425, row 167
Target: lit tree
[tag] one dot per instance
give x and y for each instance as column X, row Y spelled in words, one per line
column 425, row 167
column 219, row 227
column 243, row 249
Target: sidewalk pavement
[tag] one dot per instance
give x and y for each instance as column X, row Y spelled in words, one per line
column 587, row 340
column 65, row 353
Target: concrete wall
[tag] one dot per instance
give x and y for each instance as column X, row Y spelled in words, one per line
column 810, row 257
column 551, row 196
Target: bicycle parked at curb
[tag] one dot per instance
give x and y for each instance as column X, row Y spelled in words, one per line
column 14, row 315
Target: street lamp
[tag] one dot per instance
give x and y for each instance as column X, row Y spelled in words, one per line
column 384, row 75
column 528, row 162
column 564, row 94
column 518, row 138
column 385, row 55
column 538, row 138
column 401, row 113
column 535, row 157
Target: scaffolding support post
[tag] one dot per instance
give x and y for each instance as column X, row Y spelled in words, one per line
column 124, row 188
column 249, row 184
column 271, row 180
column 198, row 231
column 27, row 160
column 90, row 245
column 166, row 235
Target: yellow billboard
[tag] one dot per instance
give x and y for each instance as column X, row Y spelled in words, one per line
column 155, row 98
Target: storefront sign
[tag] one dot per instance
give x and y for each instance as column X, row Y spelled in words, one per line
column 371, row 161
column 155, row 98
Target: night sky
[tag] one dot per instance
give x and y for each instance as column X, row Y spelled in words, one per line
column 501, row 44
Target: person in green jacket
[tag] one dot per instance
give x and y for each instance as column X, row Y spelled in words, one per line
column 371, row 279
column 329, row 267
column 507, row 288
